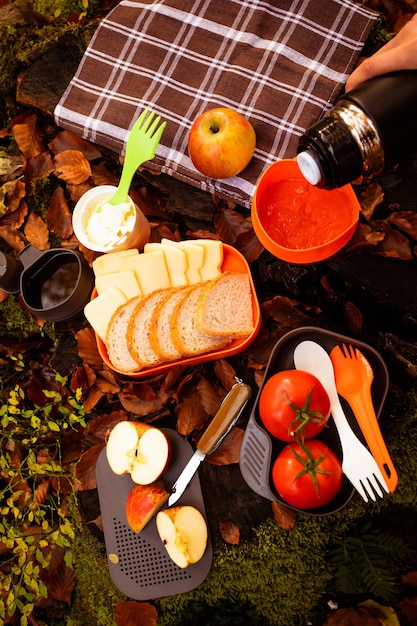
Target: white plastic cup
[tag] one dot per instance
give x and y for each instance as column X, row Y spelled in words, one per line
column 135, row 236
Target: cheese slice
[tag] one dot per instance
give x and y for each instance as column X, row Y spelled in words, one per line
column 126, row 281
column 176, row 261
column 151, row 271
column 195, row 258
column 114, row 261
column 213, row 258
column 100, row 310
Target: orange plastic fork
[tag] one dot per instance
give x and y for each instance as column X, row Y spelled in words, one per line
column 354, row 376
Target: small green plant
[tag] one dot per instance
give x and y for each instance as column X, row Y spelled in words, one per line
column 365, row 562
column 35, row 490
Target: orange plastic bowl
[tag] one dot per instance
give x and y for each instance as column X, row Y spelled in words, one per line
column 298, row 222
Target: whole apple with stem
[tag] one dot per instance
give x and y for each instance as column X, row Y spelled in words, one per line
column 221, row 143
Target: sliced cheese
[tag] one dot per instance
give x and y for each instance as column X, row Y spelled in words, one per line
column 114, row 261
column 195, row 258
column 151, row 271
column 100, row 310
column 213, row 258
column 176, row 261
column 126, row 281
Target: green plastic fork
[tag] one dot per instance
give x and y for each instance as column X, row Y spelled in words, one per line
column 141, row 146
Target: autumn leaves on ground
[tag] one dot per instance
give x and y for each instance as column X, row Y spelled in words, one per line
column 50, row 423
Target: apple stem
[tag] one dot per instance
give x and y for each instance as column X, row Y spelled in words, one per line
column 214, row 128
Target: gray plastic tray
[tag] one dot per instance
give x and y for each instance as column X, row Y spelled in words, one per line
column 138, row 563
column 260, row 449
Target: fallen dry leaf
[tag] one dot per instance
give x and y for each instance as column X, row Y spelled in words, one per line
column 62, row 583
column 28, row 136
column 72, row 167
column 209, row 398
column 284, row 516
column 87, row 348
column 370, row 199
column 286, row 311
column 58, row 215
column 395, row 245
column 93, row 397
column 65, row 140
column 85, row 470
column 405, row 221
column 131, row 613
column 230, row 533
column 38, row 167
column 229, row 450
column 103, row 424
column 249, row 245
column 225, row 373
column 190, row 415
column 408, row 609
column 352, row 617
column 36, row 232
column 353, row 317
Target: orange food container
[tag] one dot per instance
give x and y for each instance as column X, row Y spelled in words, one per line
column 298, row 222
column 233, row 261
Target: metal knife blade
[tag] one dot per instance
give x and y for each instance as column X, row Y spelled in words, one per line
column 221, row 424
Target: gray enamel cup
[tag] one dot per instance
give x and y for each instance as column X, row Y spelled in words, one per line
column 55, row 284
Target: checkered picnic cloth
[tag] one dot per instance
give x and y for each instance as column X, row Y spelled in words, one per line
column 281, row 64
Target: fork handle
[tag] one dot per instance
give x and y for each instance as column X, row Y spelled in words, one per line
column 122, row 191
column 367, row 420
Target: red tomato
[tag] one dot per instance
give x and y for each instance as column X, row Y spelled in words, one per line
column 294, row 404
column 308, row 475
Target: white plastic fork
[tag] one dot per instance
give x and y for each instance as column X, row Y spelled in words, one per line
column 358, row 464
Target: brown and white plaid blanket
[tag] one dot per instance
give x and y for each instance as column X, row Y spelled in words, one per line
column 280, row 63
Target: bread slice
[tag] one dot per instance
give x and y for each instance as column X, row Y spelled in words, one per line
column 139, row 329
column 161, row 337
column 225, row 306
column 187, row 338
column 116, row 340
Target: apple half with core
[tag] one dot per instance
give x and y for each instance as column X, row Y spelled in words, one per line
column 142, row 502
column 138, row 449
column 221, row 143
column 183, row 531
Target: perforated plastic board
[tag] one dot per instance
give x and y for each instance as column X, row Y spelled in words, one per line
column 138, row 563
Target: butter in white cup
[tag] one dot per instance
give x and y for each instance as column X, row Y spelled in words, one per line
column 112, row 228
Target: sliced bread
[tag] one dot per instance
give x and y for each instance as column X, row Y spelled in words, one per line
column 116, row 341
column 160, row 336
column 187, row 338
column 225, row 306
column 139, row 329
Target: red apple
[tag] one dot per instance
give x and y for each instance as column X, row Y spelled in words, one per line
column 183, row 531
column 221, row 143
column 138, row 449
column 143, row 502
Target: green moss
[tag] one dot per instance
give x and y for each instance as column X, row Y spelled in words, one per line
column 14, row 324
column 95, row 596
column 22, row 43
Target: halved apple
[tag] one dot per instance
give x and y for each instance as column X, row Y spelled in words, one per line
column 142, row 502
column 138, row 449
column 183, row 531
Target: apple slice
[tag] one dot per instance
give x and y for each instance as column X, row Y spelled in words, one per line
column 142, row 502
column 138, row 449
column 183, row 531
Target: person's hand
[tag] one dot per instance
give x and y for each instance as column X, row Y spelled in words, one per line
column 400, row 53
